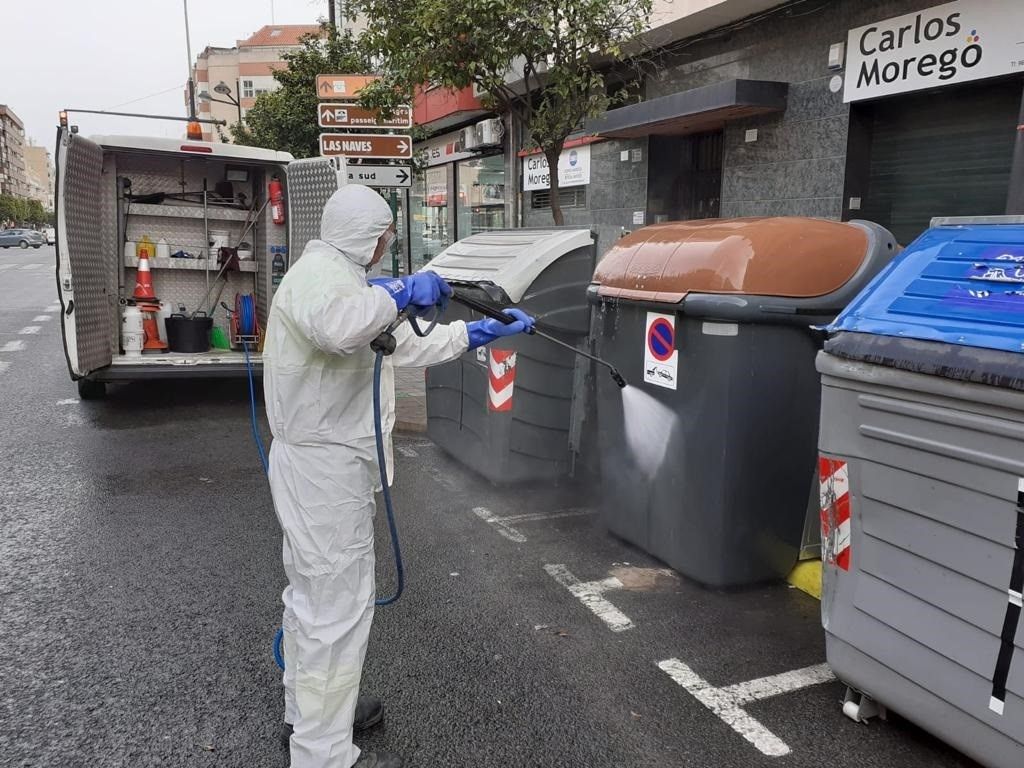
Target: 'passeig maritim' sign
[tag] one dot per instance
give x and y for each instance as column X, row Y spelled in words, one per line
column 951, row 43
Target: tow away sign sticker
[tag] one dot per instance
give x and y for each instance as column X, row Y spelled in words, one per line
column 661, row 359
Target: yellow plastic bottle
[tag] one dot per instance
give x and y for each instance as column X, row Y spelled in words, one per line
column 145, row 246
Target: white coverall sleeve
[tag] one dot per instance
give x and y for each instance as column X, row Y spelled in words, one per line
column 444, row 343
column 340, row 324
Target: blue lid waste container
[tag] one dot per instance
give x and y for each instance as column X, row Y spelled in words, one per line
column 922, row 496
column 505, row 410
column 708, row 458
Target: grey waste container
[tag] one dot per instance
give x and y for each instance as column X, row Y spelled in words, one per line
column 922, row 443
column 708, row 457
column 505, row 410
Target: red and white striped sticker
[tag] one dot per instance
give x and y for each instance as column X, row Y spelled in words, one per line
column 501, row 380
column 834, row 476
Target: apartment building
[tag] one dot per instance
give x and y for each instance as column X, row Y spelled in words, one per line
column 13, row 180
column 39, row 174
column 890, row 110
column 228, row 80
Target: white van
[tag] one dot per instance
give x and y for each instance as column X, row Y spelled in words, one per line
column 113, row 191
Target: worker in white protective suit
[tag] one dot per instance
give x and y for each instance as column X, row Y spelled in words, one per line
column 318, row 383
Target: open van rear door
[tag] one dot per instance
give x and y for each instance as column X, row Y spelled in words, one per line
column 311, row 182
column 82, row 279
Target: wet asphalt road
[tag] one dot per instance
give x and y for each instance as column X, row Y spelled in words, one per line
column 140, row 581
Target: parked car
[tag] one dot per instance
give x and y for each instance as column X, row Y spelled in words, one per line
column 22, row 238
column 51, row 235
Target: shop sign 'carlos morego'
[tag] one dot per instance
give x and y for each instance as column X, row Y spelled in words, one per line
column 952, row 43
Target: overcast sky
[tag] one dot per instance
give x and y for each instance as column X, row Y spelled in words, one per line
column 100, row 54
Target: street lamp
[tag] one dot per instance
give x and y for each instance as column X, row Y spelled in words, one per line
column 223, row 89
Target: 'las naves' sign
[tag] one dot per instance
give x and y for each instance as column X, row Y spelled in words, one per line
column 951, row 43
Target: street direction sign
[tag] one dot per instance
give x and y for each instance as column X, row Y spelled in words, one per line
column 341, row 86
column 368, row 145
column 380, row 175
column 336, row 115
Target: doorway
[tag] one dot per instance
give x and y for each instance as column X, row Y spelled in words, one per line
column 685, row 178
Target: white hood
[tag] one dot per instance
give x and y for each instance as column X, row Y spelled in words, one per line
column 354, row 219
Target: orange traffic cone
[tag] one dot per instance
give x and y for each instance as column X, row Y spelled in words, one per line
column 144, row 280
column 153, row 341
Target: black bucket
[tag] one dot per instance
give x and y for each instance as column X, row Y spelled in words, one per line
column 189, row 334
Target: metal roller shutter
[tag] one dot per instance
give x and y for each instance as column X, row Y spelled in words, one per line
column 945, row 153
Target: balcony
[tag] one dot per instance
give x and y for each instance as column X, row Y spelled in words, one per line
column 437, row 108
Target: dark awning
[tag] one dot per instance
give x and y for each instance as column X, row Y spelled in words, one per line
column 699, row 109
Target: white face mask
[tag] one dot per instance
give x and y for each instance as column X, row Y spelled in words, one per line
column 389, row 238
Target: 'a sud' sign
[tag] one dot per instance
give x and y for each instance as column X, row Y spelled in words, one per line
column 951, row 43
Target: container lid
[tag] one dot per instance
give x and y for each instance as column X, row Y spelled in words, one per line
column 959, row 284
column 782, row 256
column 511, row 259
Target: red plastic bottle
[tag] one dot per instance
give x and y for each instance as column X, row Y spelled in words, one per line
column 276, row 200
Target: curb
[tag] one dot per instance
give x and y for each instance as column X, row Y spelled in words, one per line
column 416, row 427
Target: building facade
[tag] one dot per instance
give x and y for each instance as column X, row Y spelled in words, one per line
column 245, row 69
column 39, row 174
column 13, row 180
column 889, row 110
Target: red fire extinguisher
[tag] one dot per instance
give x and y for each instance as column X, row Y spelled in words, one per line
column 276, row 200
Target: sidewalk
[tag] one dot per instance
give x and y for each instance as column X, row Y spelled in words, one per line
column 410, row 400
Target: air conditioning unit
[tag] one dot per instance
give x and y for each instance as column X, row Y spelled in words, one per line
column 490, row 131
column 470, row 138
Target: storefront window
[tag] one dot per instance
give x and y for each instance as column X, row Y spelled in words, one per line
column 481, row 204
column 429, row 208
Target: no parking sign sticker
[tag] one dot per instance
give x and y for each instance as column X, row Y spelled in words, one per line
column 661, row 360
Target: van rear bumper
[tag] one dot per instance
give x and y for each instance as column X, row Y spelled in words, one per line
column 178, row 366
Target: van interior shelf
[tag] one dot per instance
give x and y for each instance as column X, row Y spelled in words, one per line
column 187, row 211
column 246, row 265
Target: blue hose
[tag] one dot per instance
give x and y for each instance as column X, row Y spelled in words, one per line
column 378, row 432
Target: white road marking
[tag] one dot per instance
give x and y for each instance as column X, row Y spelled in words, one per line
column 69, row 401
column 590, row 593
column 6, row 266
column 728, row 702
column 406, row 451
column 52, row 308
column 40, row 318
column 30, row 329
column 26, row 267
column 502, row 524
column 447, row 482
column 4, row 366
column 13, row 346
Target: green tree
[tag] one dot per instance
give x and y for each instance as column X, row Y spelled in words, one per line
column 285, row 119
column 14, row 209
column 547, row 62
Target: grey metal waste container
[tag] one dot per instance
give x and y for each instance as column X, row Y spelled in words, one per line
column 505, row 410
column 922, row 443
column 708, row 457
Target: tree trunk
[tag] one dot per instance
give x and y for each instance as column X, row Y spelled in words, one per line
column 552, row 154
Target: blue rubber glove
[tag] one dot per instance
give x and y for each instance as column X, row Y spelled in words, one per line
column 422, row 290
column 485, row 331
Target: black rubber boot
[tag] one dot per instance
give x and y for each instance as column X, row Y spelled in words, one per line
column 369, row 712
column 378, row 760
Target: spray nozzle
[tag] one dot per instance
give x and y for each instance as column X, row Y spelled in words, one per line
column 618, row 378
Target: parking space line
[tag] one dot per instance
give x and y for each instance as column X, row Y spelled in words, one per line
column 591, row 594
column 40, row 318
column 13, row 346
column 727, row 703
column 502, row 524
column 28, row 330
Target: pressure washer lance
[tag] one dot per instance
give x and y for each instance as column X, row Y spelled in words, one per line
column 490, row 311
